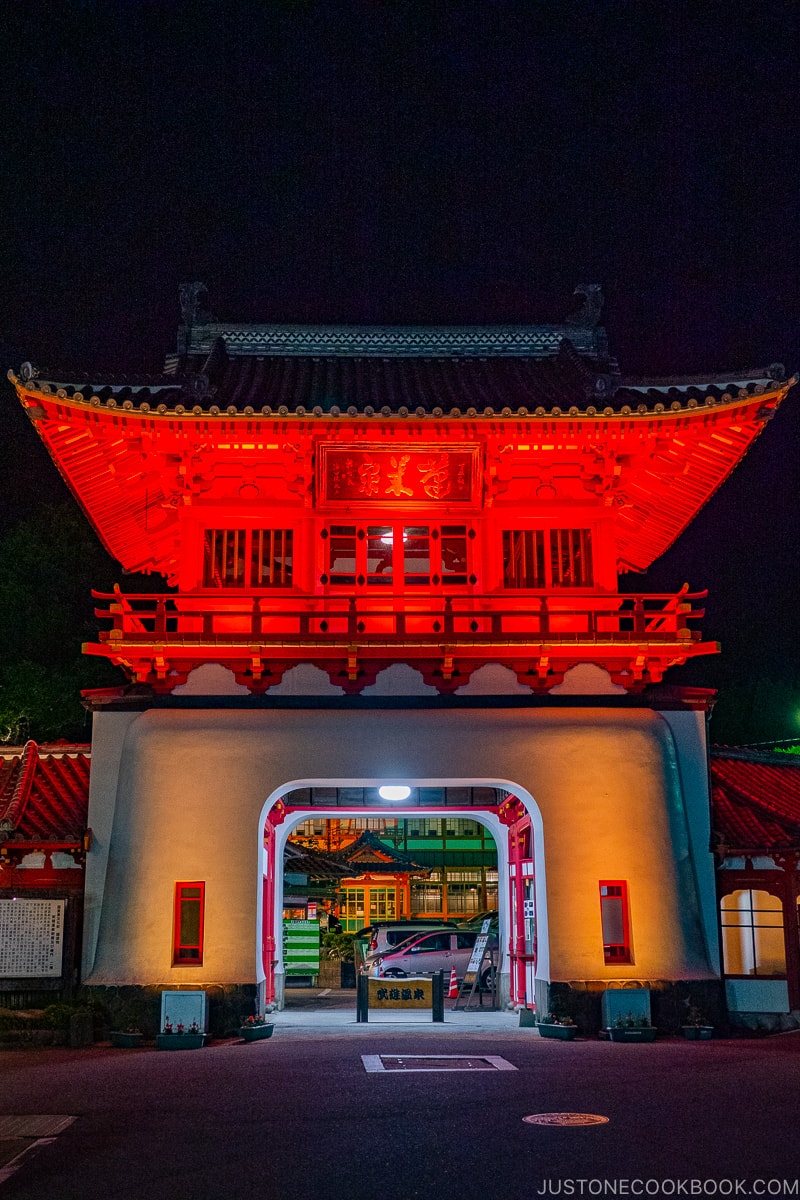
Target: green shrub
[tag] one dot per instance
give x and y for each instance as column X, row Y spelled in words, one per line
column 338, row 946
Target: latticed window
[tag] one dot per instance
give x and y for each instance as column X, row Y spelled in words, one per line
column 464, row 893
column 571, row 557
column 259, row 558
column 427, row 895
column 255, row 558
column 752, row 933
column 541, row 558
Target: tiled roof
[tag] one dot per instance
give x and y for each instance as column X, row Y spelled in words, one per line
column 755, row 801
column 314, row 863
column 44, row 794
column 439, row 375
column 371, row 854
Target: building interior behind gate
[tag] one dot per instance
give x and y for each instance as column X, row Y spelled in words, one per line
column 429, row 864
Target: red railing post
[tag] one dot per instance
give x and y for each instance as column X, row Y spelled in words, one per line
column 544, row 616
column 638, row 615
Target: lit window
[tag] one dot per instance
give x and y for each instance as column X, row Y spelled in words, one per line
column 615, row 922
column 188, row 924
column 752, row 933
column 384, row 556
column 380, row 555
column 426, row 898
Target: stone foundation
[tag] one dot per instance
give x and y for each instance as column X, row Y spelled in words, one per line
column 140, row 1007
column 669, row 1001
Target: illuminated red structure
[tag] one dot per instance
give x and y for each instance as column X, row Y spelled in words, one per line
column 358, row 497
column 395, row 554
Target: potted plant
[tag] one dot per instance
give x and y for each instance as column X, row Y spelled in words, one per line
column 255, row 1029
column 127, row 1039
column 180, row 1037
column 632, row 1028
column 553, row 1026
column 696, row 1028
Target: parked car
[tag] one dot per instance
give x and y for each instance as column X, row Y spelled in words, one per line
column 476, row 921
column 426, row 953
column 381, row 936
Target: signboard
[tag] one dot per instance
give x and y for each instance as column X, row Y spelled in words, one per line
column 31, row 938
column 478, row 953
column 301, row 947
column 410, row 474
column 401, row 993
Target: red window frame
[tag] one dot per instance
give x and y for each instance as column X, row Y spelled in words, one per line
column 615, row 921
column 187, row 950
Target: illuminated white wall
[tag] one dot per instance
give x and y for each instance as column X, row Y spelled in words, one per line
column 182, row 795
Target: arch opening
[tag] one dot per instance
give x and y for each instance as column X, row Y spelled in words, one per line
column 506, row 811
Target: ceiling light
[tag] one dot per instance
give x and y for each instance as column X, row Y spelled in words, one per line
column 394, row 791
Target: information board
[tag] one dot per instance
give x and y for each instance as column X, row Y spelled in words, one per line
column 31, row 938
column 301, row 947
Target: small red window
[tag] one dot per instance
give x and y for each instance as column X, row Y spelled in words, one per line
column 615, row 921
column 188, row 924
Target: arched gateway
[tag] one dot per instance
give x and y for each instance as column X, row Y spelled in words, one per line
column 395, row 553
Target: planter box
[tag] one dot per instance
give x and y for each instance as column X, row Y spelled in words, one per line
column 633, row 1035
column 126, row 1041
column 697, row 1033
column 564, row 1033
column 256, row 1033
column 180, row 1041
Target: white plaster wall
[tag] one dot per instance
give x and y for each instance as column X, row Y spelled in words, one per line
column 695, row 860
column 108, row 740
column 192, row 786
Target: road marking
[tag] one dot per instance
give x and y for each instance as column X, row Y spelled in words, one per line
column 14, row 1164
column 327, row 992
column 37, row 1130
column 394, row 1063
column 567, row 1119
column 33, row 1127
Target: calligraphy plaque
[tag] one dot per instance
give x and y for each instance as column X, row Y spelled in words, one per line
column 31, row 938
column 404, row 474
column 411, row 992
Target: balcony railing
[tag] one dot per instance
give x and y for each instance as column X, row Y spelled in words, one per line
column 199, row 619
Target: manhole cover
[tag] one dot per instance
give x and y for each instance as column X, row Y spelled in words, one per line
column 435, row 1062
column 33, row 1127
column 566, row 1119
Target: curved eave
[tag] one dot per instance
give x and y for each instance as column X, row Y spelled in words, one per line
column 675, row 455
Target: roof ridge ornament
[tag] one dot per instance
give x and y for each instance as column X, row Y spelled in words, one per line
column 587, row 315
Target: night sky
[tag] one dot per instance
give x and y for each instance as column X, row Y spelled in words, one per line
column 427, row 162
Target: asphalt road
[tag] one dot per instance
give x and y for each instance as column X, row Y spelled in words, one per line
column 298, row 1117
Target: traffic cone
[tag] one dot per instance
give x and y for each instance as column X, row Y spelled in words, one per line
column 452, row 993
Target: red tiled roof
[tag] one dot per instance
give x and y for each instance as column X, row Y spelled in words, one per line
column 755, row 801
column 372, row 855
column 44, row 794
